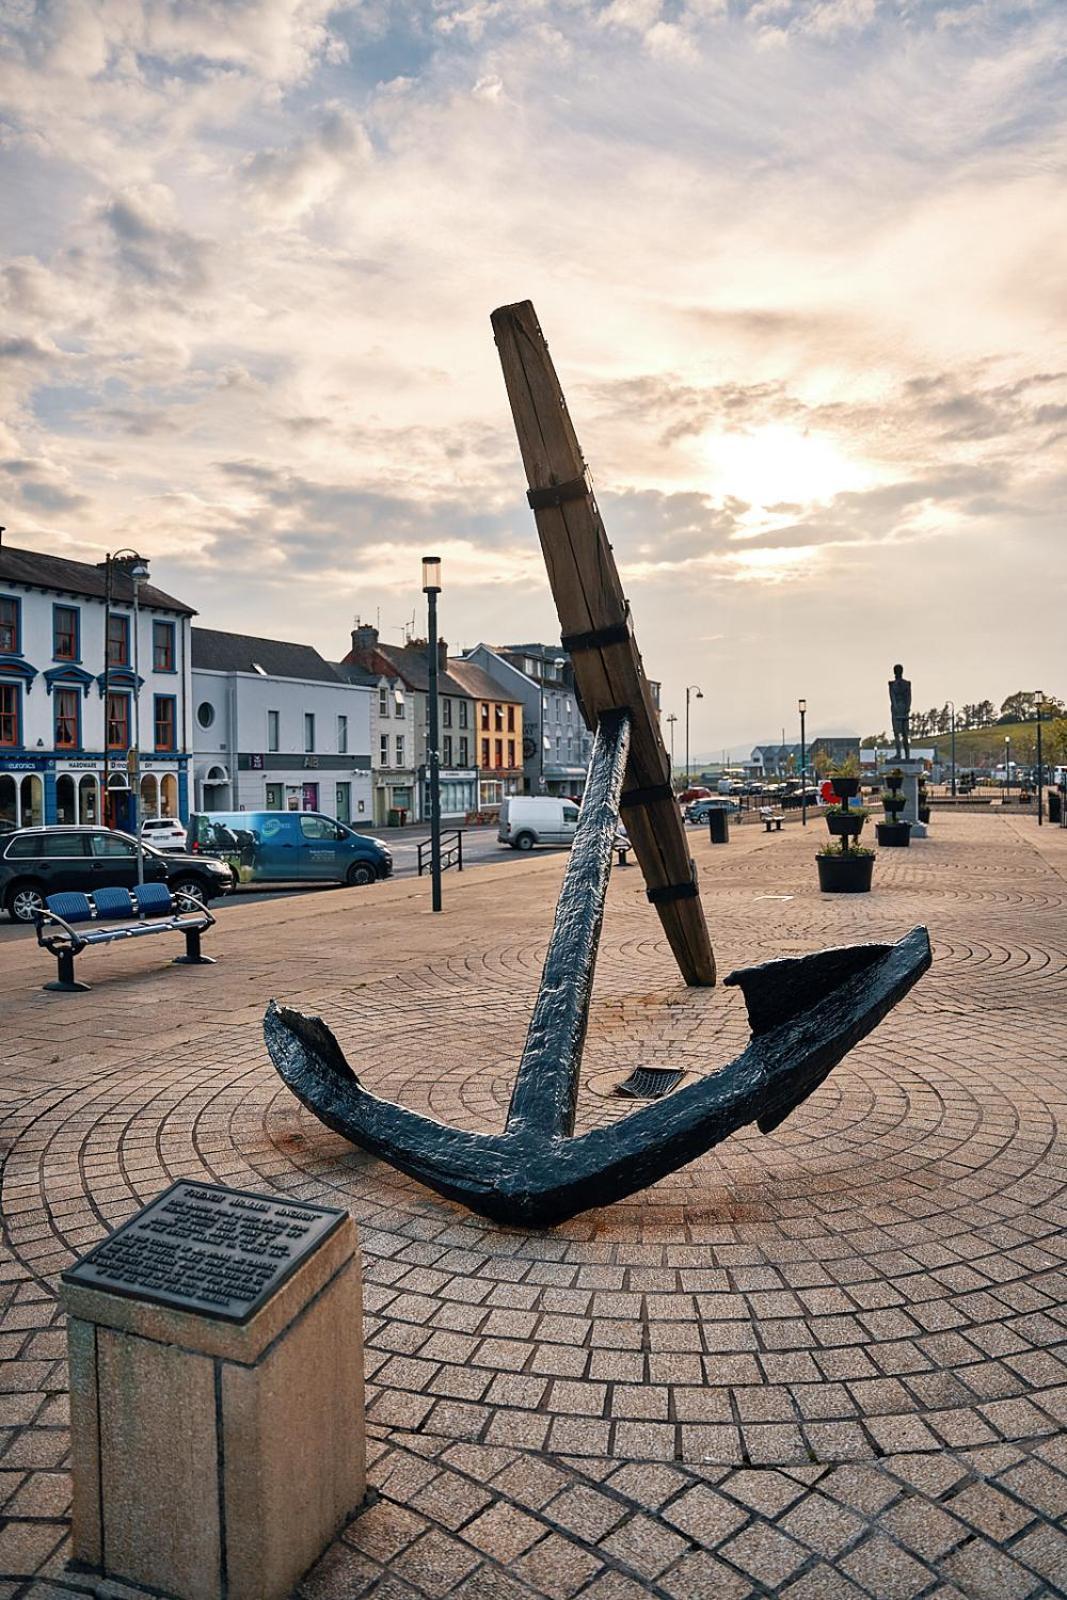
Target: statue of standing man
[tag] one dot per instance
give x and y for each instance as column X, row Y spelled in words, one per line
column 900, row 707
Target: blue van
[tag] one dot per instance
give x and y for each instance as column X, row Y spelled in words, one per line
column 287, row 846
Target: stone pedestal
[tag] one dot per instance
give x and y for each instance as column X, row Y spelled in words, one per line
column 910, row 790
column 215, row 1458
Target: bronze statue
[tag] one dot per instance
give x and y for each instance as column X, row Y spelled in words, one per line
column 900, row 707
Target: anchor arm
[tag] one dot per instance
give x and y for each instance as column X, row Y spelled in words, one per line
column 546, row 1086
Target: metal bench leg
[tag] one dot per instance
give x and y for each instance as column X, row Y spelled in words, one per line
column 192, row 956
column 65, row 982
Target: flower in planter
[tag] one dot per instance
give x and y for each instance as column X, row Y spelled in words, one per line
column 839, row 850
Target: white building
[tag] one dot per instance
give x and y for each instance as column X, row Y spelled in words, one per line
column 70, row 712
column 276, row 728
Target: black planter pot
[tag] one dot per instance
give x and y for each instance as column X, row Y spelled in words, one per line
column 894, row 807
column 841, row 825
column 845, row 874
column 845, row 788
column 895, row 834
column 924, row 813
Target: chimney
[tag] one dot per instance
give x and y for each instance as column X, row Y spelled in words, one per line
column 364, row 637
column 442, row 655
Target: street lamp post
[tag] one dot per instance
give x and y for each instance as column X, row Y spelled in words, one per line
column 431, row 588
column 1040, row 697
column 1007, row 766
column 137, row 568
column 952, row 708
column 691, row 688
column 802, row 707
column 671, row 720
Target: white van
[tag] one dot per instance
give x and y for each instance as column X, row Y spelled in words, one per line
column 529, row 819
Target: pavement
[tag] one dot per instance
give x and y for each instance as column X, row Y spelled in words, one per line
column 822, row 1364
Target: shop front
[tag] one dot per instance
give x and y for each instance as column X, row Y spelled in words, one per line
column 22, row 792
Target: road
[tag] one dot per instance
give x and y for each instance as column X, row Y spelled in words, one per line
column 480, row 847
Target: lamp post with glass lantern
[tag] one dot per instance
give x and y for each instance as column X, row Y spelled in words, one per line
column 1040, row 698
column 431, row 588
column 1007, row 766
column 691, row 688
column 671, row 720
column 802, row 707
column 137, row 569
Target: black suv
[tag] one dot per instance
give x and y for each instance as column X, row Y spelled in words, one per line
column 35, row 862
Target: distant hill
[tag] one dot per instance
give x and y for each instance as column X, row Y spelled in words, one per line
column 984, row 747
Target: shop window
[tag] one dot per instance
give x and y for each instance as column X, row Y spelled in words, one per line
column 65, row 633
column 166, row 722
column 67, row 716
column 163, row 646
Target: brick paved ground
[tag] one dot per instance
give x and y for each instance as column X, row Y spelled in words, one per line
column 826, row 1363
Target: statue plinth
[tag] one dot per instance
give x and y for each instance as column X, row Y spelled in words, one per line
column 912, row 771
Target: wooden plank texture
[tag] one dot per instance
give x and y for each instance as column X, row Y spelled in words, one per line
column 589, row 597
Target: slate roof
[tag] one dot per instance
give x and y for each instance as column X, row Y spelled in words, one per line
column 408, row 662
column 477, row 682
column 39, row 571
column 214, row 651
column 352, row 674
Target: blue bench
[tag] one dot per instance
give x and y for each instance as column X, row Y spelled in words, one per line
column 71, row 922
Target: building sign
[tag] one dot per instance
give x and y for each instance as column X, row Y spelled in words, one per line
column 255, row 763
column 26, row 764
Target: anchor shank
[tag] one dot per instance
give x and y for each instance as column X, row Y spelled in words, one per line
column 546, row 1086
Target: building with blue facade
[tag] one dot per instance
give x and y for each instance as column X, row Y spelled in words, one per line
column 95, row 691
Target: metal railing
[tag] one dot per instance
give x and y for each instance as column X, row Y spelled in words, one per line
column 451, row 852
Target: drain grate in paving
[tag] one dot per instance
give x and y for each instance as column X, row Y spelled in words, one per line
column 650, row 1083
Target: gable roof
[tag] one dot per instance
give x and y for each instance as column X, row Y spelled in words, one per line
column 39, row 571
column 350, row 674
column 214, row 651
column 477, row 682
column 408, row 662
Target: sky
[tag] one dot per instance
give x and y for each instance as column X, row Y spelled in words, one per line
column 800, row 264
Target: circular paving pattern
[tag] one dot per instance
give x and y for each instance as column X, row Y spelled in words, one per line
column 881, row 1274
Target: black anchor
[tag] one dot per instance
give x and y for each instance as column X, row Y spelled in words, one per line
column 805, row 1012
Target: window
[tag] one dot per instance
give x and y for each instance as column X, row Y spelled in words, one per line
column 309, row 731
column 463, row 714
column 498, row 751
column 446, row 713
column 275, row 794
column 383, row 749
column 26, row 847
column 205, row 713
column 65, row 633
column 485, row 718
column 67, row 716
column 383, row 699
column 274, row 720
column 398, row 702
column 570, row 814
column 400, row 749
column 318, row 828
column 72, row 844
column 9, row 626
column 463, row 753
column 166, row 720
column 511, row 719
column 163, row 646
column 447, row 758
column 498, row 718
column 342, row 735
column 9, row 715
column 485, row 752
column 118, row 722
column 118, row 640
column 112, row 844
column 511, row 752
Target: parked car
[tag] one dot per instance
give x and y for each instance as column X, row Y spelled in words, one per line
column 166, row 833
column 694, row 792
column 529, row 819
column 36, row 862
column 289, row 847
column 697, row 810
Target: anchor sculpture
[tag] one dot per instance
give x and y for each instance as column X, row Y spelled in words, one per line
column 805, row 1013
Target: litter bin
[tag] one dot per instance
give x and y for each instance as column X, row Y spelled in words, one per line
column 1055, row 806
column 394, row 818
column 719, row 825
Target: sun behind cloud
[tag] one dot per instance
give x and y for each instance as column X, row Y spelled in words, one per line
column 779, row 465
